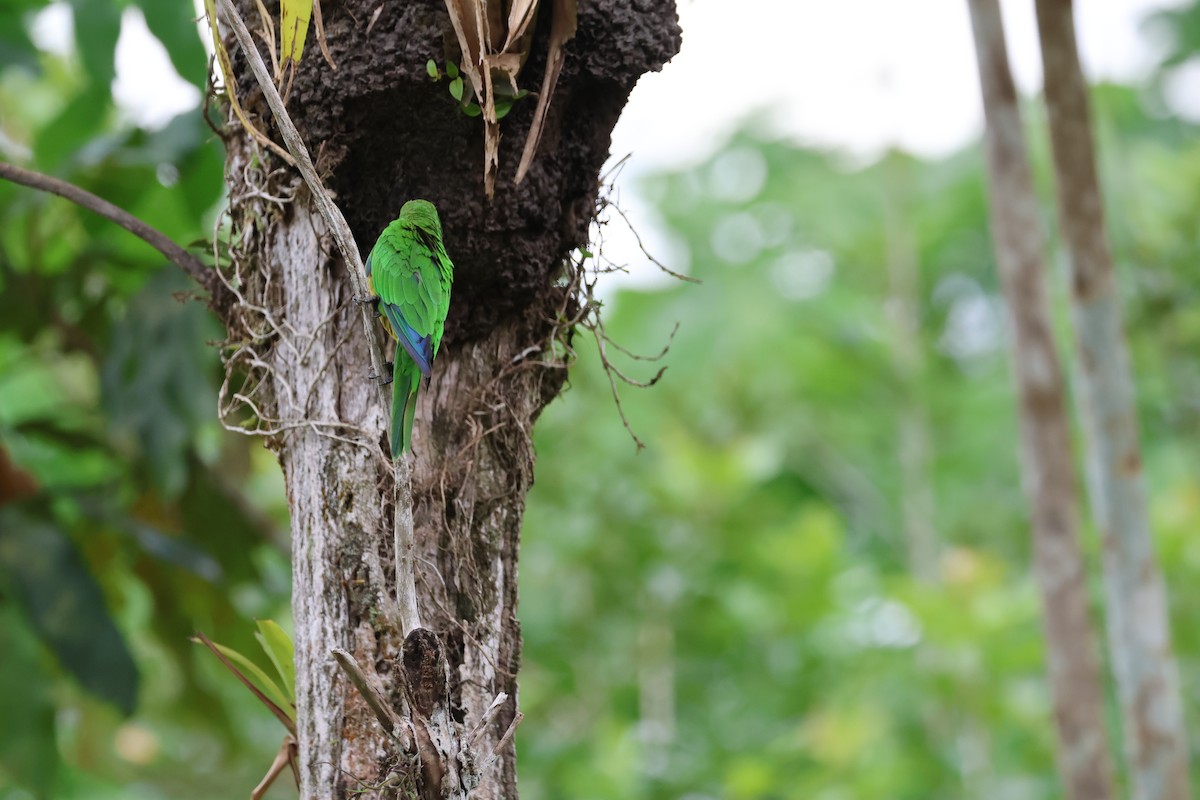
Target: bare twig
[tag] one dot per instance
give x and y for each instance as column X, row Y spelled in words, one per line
column 659, row 356
column 321, row 34
column 646, row 252
column 486, row 718
column 389, row 719
column 190, row 264
column 504, row 740
column 286, row 756
column 267, row 34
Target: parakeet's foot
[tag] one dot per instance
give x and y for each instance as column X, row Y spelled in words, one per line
column 384, row 380
column 373, row 301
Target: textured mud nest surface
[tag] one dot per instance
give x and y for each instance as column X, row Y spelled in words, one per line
column 387, row 133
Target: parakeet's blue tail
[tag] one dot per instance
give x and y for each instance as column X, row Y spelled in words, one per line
column 406, row 379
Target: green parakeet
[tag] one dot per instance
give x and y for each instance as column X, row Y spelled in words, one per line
column 409, row 271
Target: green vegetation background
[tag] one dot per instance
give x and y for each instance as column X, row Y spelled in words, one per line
column 730, row 613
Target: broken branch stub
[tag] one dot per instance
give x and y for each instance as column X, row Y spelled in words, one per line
column 450, row 764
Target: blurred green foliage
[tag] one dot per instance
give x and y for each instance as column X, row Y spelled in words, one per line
column 138, row 533
column 731, row 613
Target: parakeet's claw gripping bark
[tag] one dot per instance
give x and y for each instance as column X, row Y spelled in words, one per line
column 384, row 380
column 373, row 301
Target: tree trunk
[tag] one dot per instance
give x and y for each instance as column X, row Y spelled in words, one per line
column 382, row 133
column 917, row 503
column 1047, row 467
column 1139, row 634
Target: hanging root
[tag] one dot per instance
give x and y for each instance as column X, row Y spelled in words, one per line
column 581, row 308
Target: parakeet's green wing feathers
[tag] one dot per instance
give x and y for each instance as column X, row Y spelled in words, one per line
column 412, row 275
column 407, row 277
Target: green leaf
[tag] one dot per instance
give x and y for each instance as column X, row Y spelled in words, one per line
column 294, row 18
column 431, row 68
column 174, row 25
column 155, row 379
column 502, row 108
column 456, row 88
column 216, row 519
column 28, row 750
column 66, row 606
column 78, row 124
column 259, row 678
column 452, row 70
column 279, row 648
column 471, row 109
column 173, row 550
column 97, row 26
column 16, row 48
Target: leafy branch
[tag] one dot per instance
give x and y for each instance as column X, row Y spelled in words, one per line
column 219, row 296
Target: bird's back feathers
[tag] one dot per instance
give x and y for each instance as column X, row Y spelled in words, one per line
column 410, row 272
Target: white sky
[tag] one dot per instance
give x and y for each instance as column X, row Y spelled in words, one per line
column 859, row 75
column 854, row 75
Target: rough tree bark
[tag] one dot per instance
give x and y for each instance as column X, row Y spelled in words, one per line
column 1047, row 466
column 383, row 133
column 1139, row 635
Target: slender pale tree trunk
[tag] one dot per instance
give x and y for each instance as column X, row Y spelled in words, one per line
column 914, row 450
column 381, row 132
column 918, row 502
column 1138, row 627
column 917, row 505
column 1048, row 473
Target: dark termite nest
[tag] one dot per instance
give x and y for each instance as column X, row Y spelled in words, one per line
column 388, row 133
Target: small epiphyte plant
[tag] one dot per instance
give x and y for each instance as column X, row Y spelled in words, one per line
column 465, row 97
column 279, row 696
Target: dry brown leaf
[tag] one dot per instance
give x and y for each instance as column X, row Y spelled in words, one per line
column 494, row 49
column 562, row 29
column 231, row 87
column 324, row 45
column 508, row 65
column 491, row 137
column 520, row 16
column 268, row 35
column 374, row 18
column 467, row 21
column 492, row 16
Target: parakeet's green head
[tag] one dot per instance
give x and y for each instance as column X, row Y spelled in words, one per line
column 422, row 214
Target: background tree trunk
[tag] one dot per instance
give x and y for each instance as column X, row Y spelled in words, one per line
column 383, row 133
column 1048, row 470
column 1139, row 633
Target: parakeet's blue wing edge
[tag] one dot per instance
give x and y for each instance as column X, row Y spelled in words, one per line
column 419, row 347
